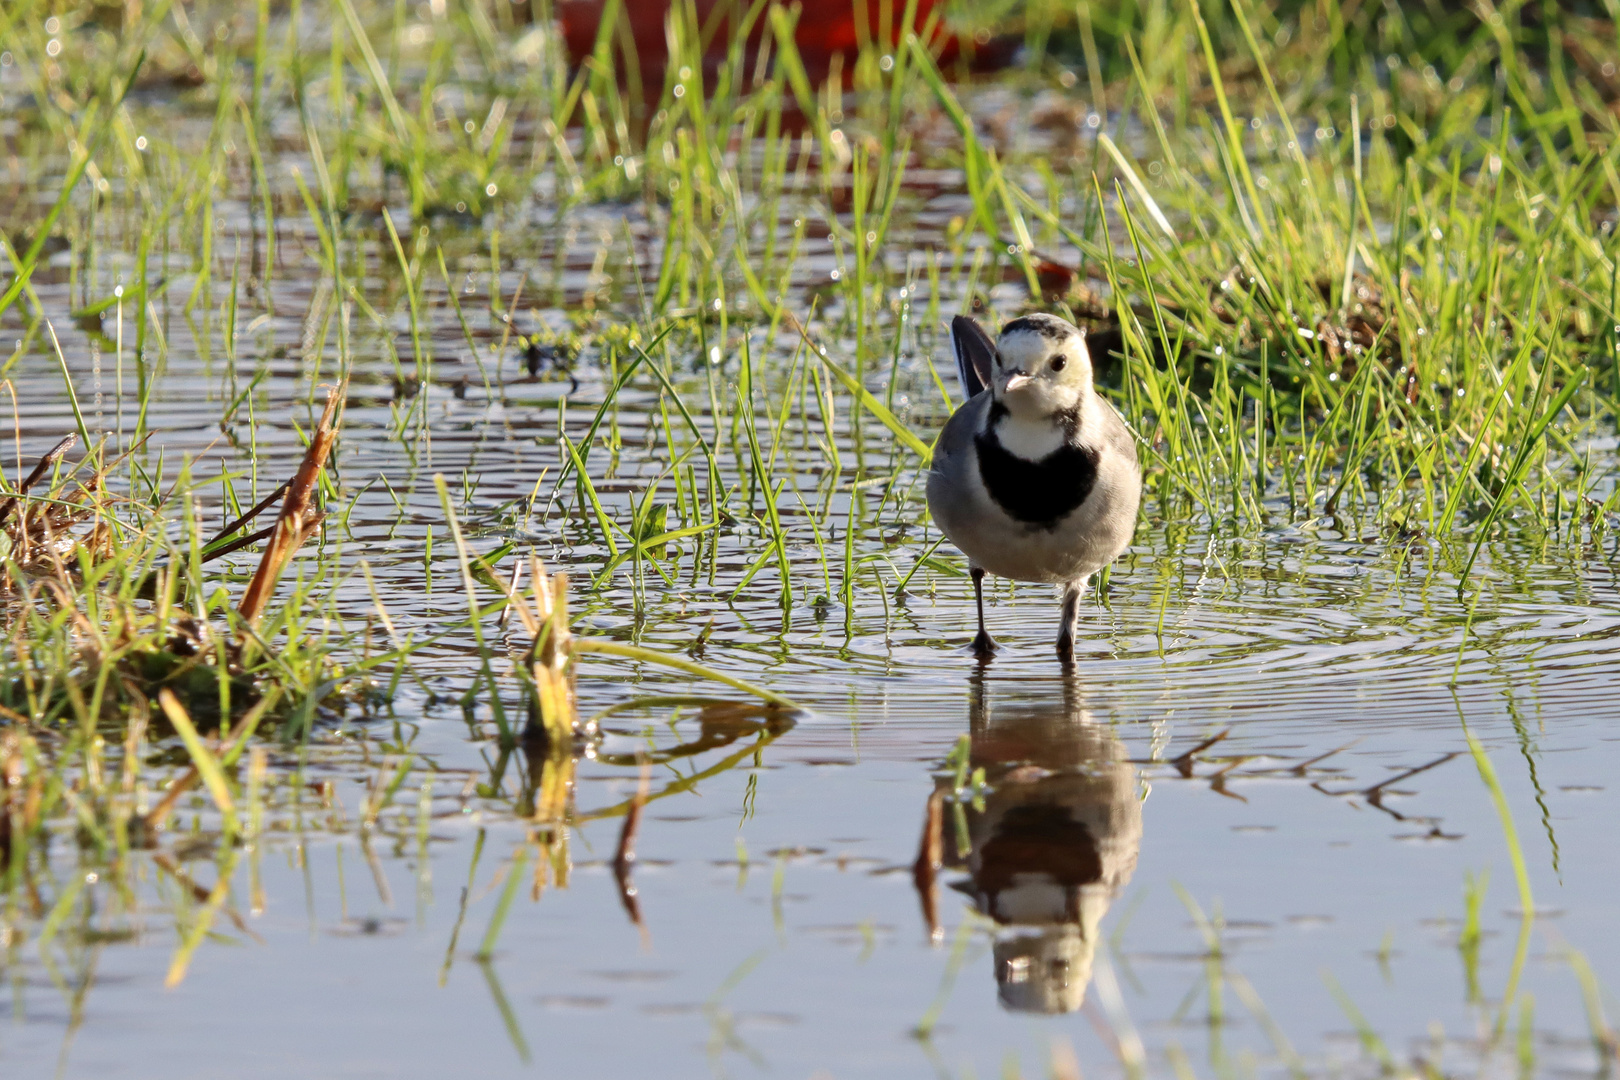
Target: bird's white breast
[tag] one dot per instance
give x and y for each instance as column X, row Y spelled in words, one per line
column 1032, row 440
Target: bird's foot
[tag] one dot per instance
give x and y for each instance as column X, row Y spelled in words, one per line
column 984, row 646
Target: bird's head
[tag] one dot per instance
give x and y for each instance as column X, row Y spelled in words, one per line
column 1042, row 367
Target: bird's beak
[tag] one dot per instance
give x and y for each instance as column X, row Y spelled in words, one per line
column 1016, row 380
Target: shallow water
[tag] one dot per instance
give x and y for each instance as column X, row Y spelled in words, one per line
column 780, row 926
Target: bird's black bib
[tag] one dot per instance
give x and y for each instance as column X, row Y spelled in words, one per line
column 1039, row 493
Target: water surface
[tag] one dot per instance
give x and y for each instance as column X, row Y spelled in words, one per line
column 1251, row 802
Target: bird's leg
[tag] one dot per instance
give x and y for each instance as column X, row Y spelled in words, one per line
column 1071, row 613
column 983, row 644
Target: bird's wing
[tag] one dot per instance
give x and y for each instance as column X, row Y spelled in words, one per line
column 975, row 354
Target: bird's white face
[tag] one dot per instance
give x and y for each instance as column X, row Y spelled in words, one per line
column 1042, row 371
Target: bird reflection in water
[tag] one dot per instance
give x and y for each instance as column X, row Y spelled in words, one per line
column 1050, row 843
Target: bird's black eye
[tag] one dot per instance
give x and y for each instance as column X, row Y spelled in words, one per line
column 1058, row 362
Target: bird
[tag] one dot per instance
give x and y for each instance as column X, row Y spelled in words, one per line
column 1036, row 477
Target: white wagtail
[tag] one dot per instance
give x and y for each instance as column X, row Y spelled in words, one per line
column 1036, row 477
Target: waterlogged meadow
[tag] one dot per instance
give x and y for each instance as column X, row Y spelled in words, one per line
column 469, row 602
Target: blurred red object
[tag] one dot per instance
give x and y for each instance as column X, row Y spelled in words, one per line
column 824, row 31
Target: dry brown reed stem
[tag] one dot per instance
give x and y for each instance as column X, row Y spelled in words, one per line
column 263, row 505
column 297, row 522
column 52, row 455
column 239, row 543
